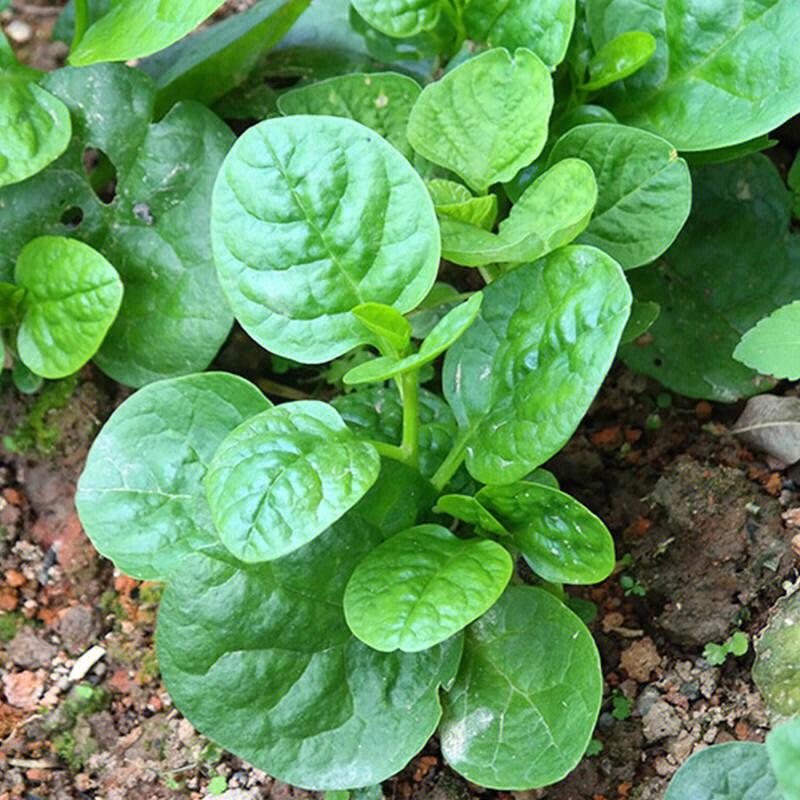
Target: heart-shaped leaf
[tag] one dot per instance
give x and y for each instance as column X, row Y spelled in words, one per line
column 73, row 295
column 422, row 586
column 35, row 127
column 313, row 216
column 644, row 190
column 399, row 18
column 619, row 58
column 783, row 748
column 381, row 100
column 446, row 331
column 773, row 345
column 260, row 659
column 709, row 65
column 551, row 212
column 520, row 379
column 173, row 317
column 140, row 497
column 543, row 26
column 156, row 23
column 284, row 476
column 487, row 118
column 732, row 264
column 561, row 540
column 527, row 695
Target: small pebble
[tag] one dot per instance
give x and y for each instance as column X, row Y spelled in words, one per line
column 19, row 31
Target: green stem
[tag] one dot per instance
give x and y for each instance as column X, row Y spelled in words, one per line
column 81, row 22
column 453, row 461
column 389, row 450
column 410, row 393
column 454, row 12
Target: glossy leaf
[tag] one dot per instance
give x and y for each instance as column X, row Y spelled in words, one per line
column 721, row 154
column 311, row 217
column 551, row 212
column 562, row 541
column 386, row 323
column 399, row 17
column 208, row 64
column 736, row 61
column 72, row 297
column 173, row 317
column 644, row 190
column 446, row 331
column 469, row 510
column 730, row 771
column 732, row 264
column 422, row 586
column 140, row 497
column 441, row 298
column 524, row 374
column 283, row 477
column 381, row 100
column 773, row 346
column 543, row 27
column 34, row 126
column 586, row 114
column 64, row 29
column 157, row 24
column 520, row 715
column 783, row 748
column 487, row 118
column 265, row 648
column 619, row 58
column 456, row 201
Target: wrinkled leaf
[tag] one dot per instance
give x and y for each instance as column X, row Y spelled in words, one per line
column 543, row 26
column 773, row 346
column 140, row 497
column 523, row 375
column 644, row 190
column 737, row 62
column 283, row 477
column 73, row 295
column 733, row 262
column 783, row 748
column 399, row 18
column 382, row 101
column 562, row 541
column 266, row 648
column 619, row 58
column 552, row 211
column 156, row 23
column 487, row 118
column 173, row 317
column 446, row 331
column 456, row 201
column 34, row 126
column 730, row 771
column 422, row 586
column 311, row 217
column 527, row 695
column 469, row 510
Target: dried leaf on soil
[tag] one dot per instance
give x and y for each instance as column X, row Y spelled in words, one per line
column 772, row 424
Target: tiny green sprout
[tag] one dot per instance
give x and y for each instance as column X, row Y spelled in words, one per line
column 622, row 706
column 716, row 654
column 218, row 784
column 631, row 586
column 594, row 749
column 653, row 421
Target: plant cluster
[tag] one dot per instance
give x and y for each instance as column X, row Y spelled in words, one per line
column 344, row 578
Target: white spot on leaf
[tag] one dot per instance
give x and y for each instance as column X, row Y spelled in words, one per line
column 457, row 737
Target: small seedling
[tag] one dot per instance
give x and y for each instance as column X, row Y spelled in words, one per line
column 735, row 645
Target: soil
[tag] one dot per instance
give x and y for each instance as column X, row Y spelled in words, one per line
column 703, row 550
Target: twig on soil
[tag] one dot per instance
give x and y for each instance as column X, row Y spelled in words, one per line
column 630, row 633
column 34, row 763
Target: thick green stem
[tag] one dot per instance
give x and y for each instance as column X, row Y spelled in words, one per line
column 81, row 22
column 389, row 450
column 453, row 461
column 410, row 393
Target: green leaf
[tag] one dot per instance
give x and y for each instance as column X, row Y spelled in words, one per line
column 386, row 323
column 737, row 62
column 551, row 212
column 11, row 297
column 446, row 331
column 644, row 190
column 456, row 201
column 73, row 295
column 311, row 217
column 64, row 29
column 543, row 26
column 217, row 785
column 524, row 374
column 173, row 317
column 140, row 497
column 734, row 261
column 208, row 64
column 422, row 586
column 399, row 18
column 730, row 771
column 284, row 476
column 586, row 114
column 469, row 510
column 619, row 58
column 783, row 748
column 773, row 346
column 721, row 154
column 487, row 118
column 380, row 100
column 266, row 649
column 34, row 126
column 643, row 315
column 136, row 28
column 377, row 413
column 441, row 298
column 522, row 710
column 24, row 380
column 562, row 541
